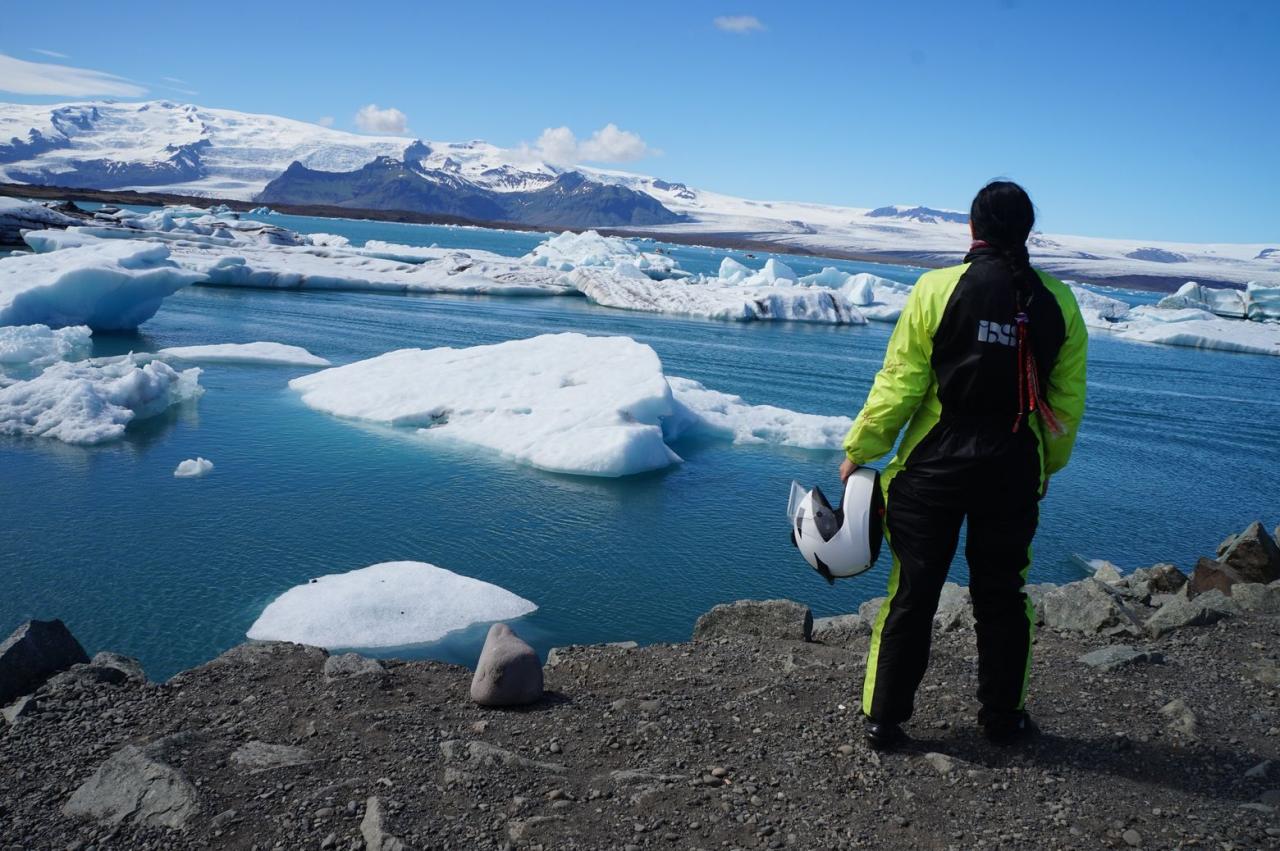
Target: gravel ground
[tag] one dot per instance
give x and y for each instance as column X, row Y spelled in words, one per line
column 736, row 742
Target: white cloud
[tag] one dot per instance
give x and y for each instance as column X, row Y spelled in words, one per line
column 740, row 24
column 609, row 144
column 178, row 80
column 55, row 54
column 45, row 78
column 371, row 119
column 325, row 121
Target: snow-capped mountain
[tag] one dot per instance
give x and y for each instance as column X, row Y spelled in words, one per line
column 219, row 153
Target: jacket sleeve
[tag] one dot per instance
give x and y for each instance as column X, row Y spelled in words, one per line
column 899, row 385
column 1067, row 388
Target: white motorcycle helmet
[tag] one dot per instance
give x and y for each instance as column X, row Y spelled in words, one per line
column 844, row 541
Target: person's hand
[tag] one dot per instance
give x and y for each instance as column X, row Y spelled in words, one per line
column 847, row 469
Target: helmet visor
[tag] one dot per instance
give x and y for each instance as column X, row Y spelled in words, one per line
column 798, row 494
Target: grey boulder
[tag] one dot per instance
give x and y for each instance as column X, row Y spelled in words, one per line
column 955, row 608
column 782, row 619
column 1256, row 597
column 34, row 652
column 373, row 829
column 1087, row 607
column 352, row 665
column 138, row 784
column 1117, row 656
column 258, row 756
column 508, row 673
column 839, row 629
column 1146, row 582
column 1179, row 612
column 126, row 665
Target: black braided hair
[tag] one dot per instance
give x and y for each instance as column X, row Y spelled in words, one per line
column 1002, row 216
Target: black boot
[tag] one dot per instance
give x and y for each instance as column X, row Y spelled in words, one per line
column 882, row 735
column 1008, row 728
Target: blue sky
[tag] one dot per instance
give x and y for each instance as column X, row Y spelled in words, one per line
column 1129, row 119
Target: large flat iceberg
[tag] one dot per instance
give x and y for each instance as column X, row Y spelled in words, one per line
column 567, row 403
column 108, row 286
column 392, row 604
column 256, row 353
column 1256, row 301
column 87, row 402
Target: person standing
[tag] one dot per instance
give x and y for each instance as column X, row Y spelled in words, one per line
column 986, row 371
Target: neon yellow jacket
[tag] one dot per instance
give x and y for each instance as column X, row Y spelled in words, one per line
column 905, row 392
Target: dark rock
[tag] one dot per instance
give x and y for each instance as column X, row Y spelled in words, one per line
column 126, row 665
column 352, row 665
column 138, row 784
column 1211, row 575
column 784, row 619
column 1253, row 555
column 34, row 652
column 508, row 673
column 1146, row 582
column 81, row 676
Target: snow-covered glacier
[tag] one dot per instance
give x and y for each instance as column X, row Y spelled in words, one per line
column 566, row 403
column 92, row 401
column 108, row 286
column 392, row 604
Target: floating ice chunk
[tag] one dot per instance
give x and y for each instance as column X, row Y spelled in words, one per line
column 1264, row 301
column 261, row 352
column 92, row 401
column 392, row 604
column 878, row 299
column 107, row 286
column 775, row 272
column 625, row 288
column 713, row 412
column 1099, row 311
column 40, row 345
column 733, row 271
column 830, row 276
column 262, row 211
column 17, row 216
column 192, row 468
column 569, row 251
column 330, row 240
column 565, row 403
column 1219, row 301
column 1199, row 329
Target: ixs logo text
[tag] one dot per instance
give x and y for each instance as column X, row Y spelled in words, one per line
column 994, row 332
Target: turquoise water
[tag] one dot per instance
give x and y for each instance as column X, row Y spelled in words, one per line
column 1178, row 448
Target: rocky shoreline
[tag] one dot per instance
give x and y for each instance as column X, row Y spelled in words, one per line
column 1158, row 695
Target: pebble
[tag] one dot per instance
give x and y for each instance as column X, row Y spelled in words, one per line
column 1132, row 838
column 845, row 750
column 718, row 772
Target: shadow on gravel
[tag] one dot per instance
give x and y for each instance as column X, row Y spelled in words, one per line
column 1159, row 764
column 550, row 700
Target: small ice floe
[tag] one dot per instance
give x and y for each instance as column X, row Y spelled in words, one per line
column 255, row 353
column 92, row 401
column 385, row 605
column 193, row 468
column 40, row 345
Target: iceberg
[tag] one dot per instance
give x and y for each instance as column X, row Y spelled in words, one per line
column 40, row 345
column 1264, row 301
column 193, row 468
column 878, row 299
column 257, row 353
column 17, row 216
column 722, row 414
column 392, row 604
column 1198, row 329
column 1098, row 311
column 570, row 251
column 88, row 402
column 1219, row 301
column 106, row 286
column 627, row 288
column 566, row 403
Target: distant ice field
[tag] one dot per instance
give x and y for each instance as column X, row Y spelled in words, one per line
column 1179, row 447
